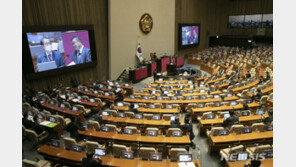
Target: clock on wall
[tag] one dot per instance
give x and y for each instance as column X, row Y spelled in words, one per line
column 146, row 23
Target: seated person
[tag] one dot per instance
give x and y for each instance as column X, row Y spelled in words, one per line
column 269, row 119
column 233, row 119
column 175, row 123
column 73, row 128
column 258, row 95
column 90, row 162
column 248, row 74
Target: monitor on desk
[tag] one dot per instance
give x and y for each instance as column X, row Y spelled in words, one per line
column 138, row 116
column 217, row 104
column 62, row 105
column 51, row 102
column 105, row 129
column 86, row 89
column 96, row 92
column 85, row 125
column 52, row 119
column 223, row 132
column 39, row 116
column 216, row 96
column 210, row 116
column 127, row 155
column 75, row 108
column 118, row 90
column 128, row 131
column 105, row 113
column 100, row 152
column 151, row 106
column 177, row 133
column 156, row 117
column 30, row 113
column 153, row 92
column 242, row 156
column 260, row 111
column 229, row 95
column 245, row 113
column 169, row 106
column 76, row 148
column 107, row 94
column 155, row 156
column 55, row 143
column 92, row 100
column 202, row 91
column 79, row 97
column 109, row 87
column 203, row 97
column 132, row 96
column 185, row 157
column 152, row 133
column 101, row 86
column 267, row 154
column 200, row 105
column 159, row 98
column 145, row 97
column 121, row 114
column 247, row 130
column 165, row 92
column 188, row 98
column 201, row 85
column 252, row 91
column 233, row 103
column 173, row 118
column 227, row 115
column 136, row 105
column 120, row 104
column 126, row 84
column 174, row 98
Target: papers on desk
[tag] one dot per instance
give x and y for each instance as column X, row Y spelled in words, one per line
column 48, row 124
column 75, row 100
column 186, row 164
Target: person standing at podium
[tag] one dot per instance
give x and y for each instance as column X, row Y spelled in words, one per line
column 81, row 54
column 49, row 54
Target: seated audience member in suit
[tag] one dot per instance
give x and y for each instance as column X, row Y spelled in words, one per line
column 259, row 94
column 261, row 80
column 97, row 117
column 73, row 82
column 133, row 109
column 175, row 123
column 267, row 76
column 155, row 75
column 73, row 128
column 248, row 74
column 90, row 162
column 254, row 163
column 81, row 54
column 37, row 127
column 178, row 93
column 233, row 119
column 27, row 123
column 269, row 119
column 246, row 107
column 49, row 54
column 188, row 127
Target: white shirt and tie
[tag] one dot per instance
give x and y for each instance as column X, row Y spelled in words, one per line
column 79, row 55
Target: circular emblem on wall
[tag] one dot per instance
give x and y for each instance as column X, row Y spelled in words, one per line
column 146, row 23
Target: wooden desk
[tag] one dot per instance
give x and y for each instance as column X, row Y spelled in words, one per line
column 216, row 80
column 172, row 84
column 158, row 110
column 171, row 94
column 208, row 123
column 72, row 158
column 173, row 81
column 264, row 91
column 223, row 85
column 245, row 87
column 264, row 163
column 94, row 94
column 231, row 98
column 219, row 142
column 63, row 111
column 172, row 101
column 87, row 104
column 114, row 136
column 202, row 78
column 56, row 129
column 122, row 108
column 146, row 122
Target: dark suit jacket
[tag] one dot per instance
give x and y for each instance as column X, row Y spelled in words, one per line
column 56, row 56
column 85, row 56
column 230, row 121
column 73, row 128
column 90, row 163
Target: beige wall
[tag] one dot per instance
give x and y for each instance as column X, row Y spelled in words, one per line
column 124, row 32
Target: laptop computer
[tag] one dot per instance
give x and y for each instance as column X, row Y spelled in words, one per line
column 155, row 156
column 99, row 152
column 46, row 66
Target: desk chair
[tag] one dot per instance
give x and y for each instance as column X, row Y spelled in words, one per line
column 46, row 113
column 117, row 150
column 236, row 129
column 167, row 117
column 190, row 106
column 34, row 137
column 130, row 114
column 209, row 104
column 90, row 146
column 144, row 152
column 263, row 99
column 228, row 151
column 94, row 125
column 69, row 142
column 171, row 130
column 221, row 114
column 85, row 98
column 259, row 149
column 147, row 116
column 83, row 109
column 174, row 152
column 40, row 163
column 215, row 131
column 150, row 128
column 63, row 121
column 25, row 107
column 134, row 129
column 258, row 127
column 206, row 115
column 112, row 128
column 112, row 112
column 100, row 102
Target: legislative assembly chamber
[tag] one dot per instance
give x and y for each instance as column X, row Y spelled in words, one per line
column 158, row 83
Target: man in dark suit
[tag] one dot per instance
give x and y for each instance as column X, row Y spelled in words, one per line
column 49, row 54
column 188, row 127
column 233, row 119
column 175, row 123
column 81, row 54
column 90, row 162
column 73, row 128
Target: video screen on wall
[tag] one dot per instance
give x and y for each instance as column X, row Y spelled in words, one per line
column 59, row 49
column 253, row 21
column 267, row 21
column 236, row 21
column 189, row 35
